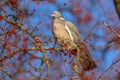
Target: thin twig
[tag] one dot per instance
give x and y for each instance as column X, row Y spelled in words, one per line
column 27, row 49
column 4, row 71
column 91, row 31
column 19, row 26
column 109, row 27
column 108, row 69
column 47, row 63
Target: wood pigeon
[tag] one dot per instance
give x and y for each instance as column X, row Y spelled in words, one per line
column 66, row 34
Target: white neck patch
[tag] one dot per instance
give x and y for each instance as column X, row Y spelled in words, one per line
column 61, row 18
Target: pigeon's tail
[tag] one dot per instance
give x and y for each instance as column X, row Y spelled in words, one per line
column 85, row 59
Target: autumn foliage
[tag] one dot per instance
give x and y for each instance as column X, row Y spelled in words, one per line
column 27, row 46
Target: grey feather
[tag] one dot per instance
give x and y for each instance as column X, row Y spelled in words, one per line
column 74, row 31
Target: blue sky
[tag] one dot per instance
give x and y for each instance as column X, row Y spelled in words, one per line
column 102, row 10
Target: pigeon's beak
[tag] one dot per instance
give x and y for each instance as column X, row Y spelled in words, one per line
column 52, row 15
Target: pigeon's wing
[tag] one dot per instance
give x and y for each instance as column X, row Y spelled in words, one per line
column 73, row 32
column 85, row 58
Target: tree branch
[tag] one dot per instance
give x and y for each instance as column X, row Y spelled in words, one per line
column 4, row 71
column 108, row 68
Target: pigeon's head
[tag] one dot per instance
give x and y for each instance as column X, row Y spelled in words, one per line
column 56, row 14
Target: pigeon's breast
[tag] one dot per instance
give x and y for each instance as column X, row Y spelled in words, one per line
column 59, row 29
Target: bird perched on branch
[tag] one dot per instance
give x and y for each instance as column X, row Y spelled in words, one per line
column 66, row 34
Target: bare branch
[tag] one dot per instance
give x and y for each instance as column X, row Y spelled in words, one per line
column 109, row 27
column 4, row 71
column 108, row 68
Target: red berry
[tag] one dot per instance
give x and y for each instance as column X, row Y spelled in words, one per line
column 20, row 78
column 34, row 57
column 4, row 45
column 1, row 17
column 65, row 46
column 65, row 53
column 41, row 50
column 51, row 50
column 51, row 40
